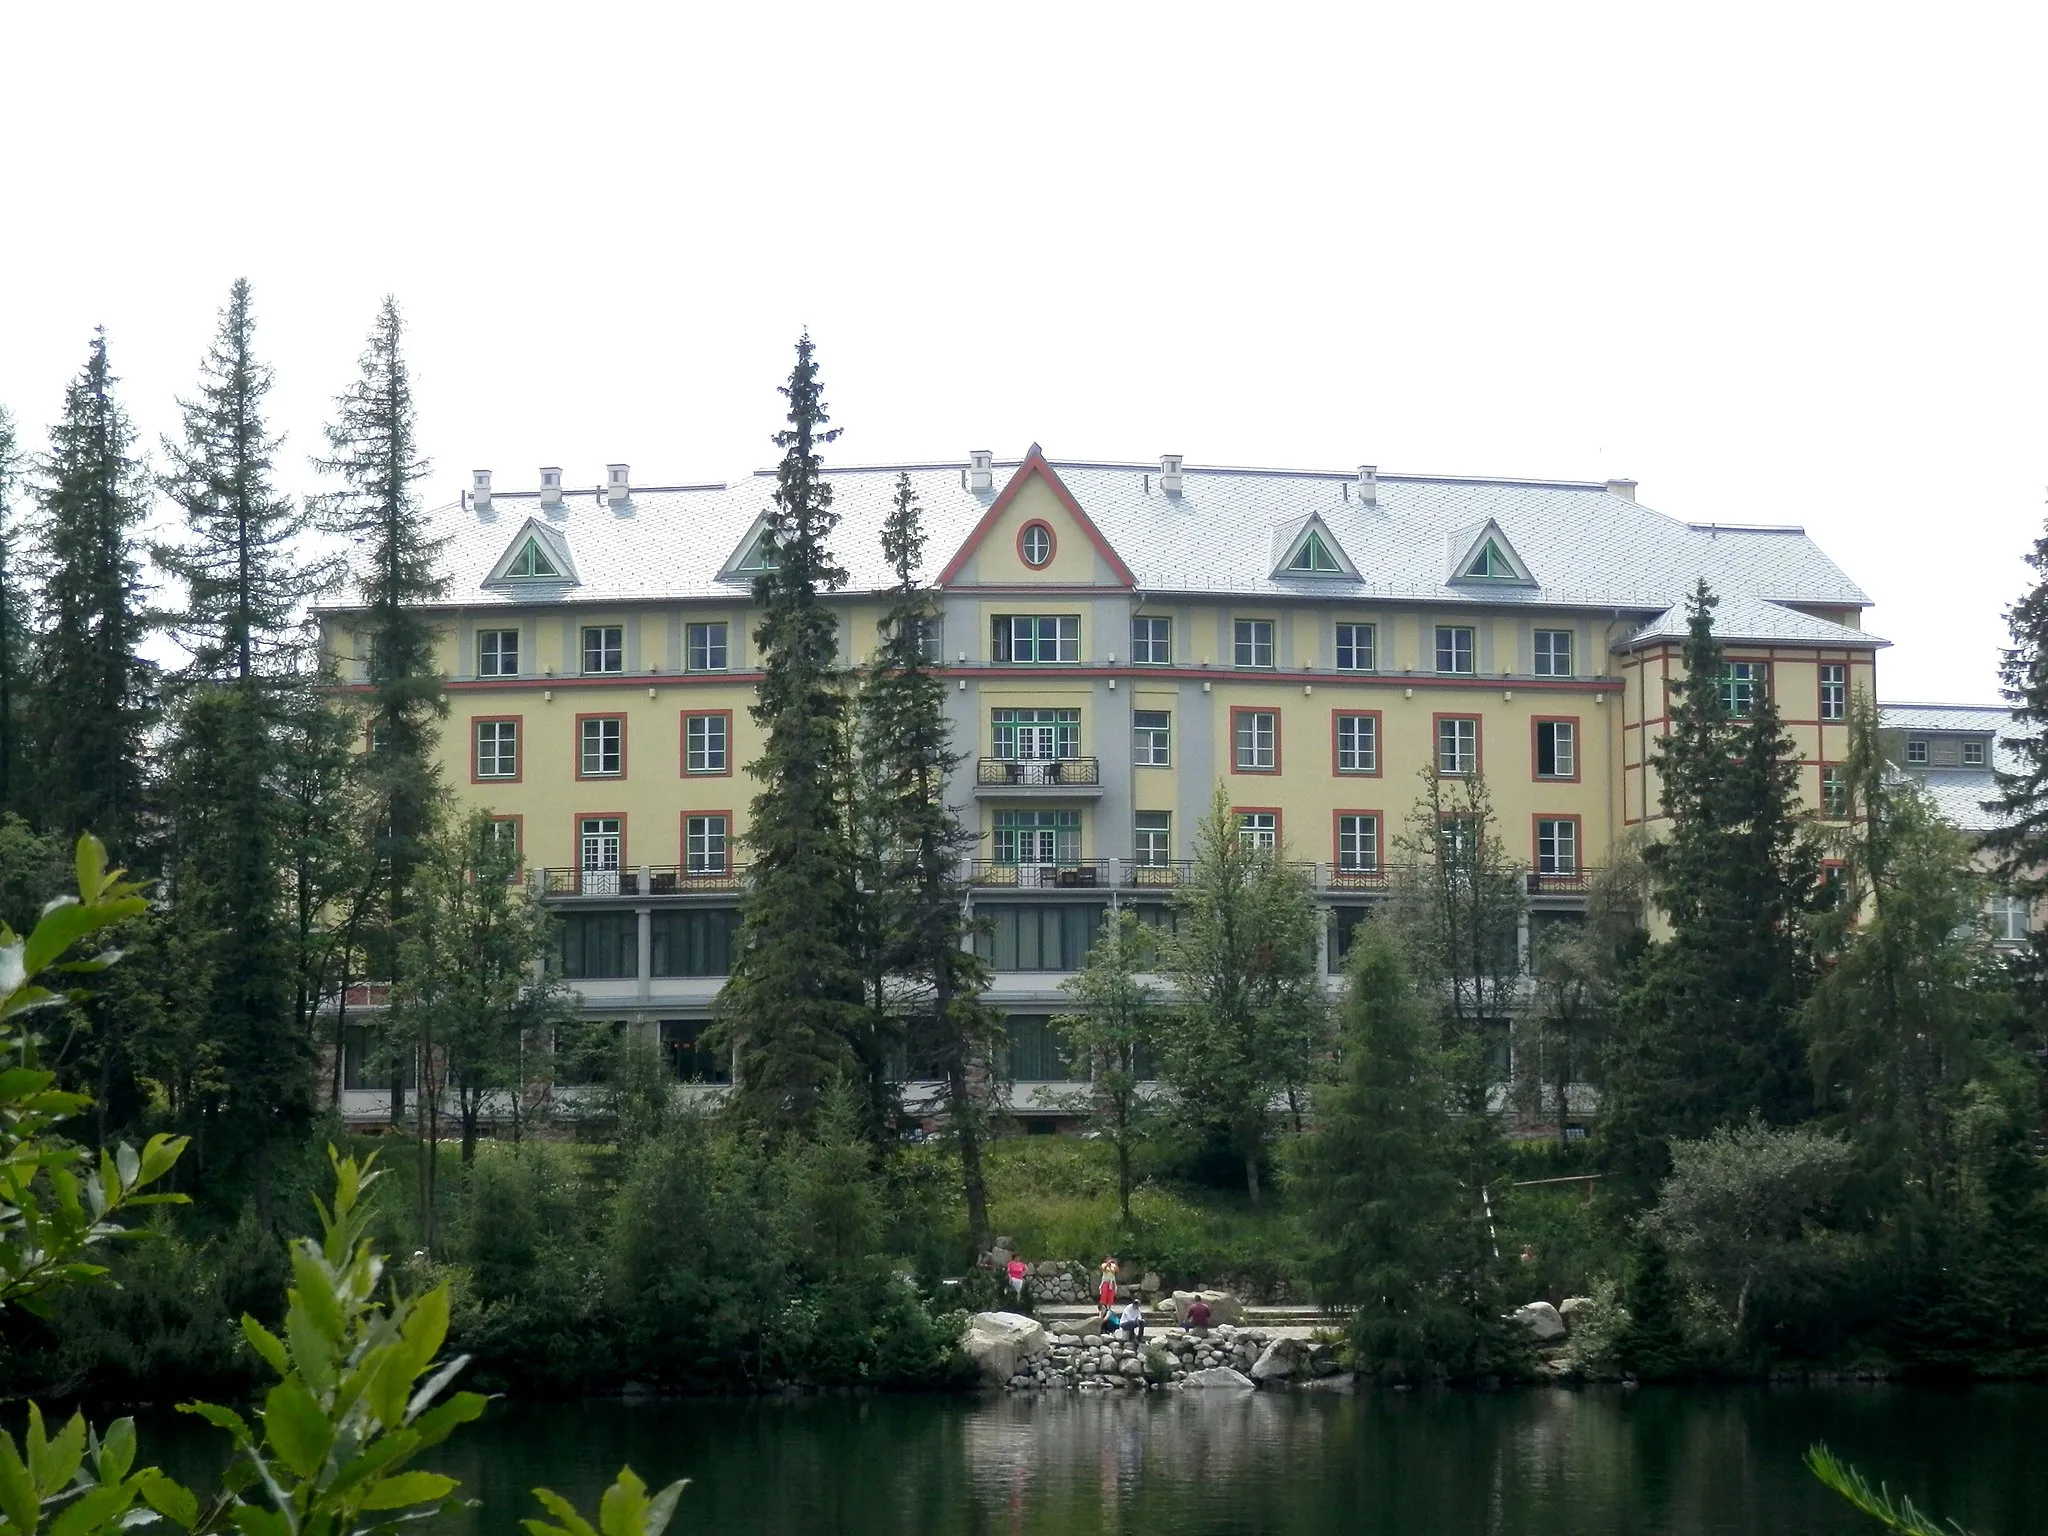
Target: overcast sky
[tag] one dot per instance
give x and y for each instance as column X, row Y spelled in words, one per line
column 1778, row 262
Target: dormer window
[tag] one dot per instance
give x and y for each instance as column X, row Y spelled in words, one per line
column 1489, row 564
column 1035, row 545
column 532, row 564
column 1973, row 754
column 762, row 556
column 1314, row 557
column 1916, row 752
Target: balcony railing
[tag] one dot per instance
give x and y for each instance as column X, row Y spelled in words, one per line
column 1073, row 875
column 642, row 880
column 1051, row 773
column 1570, row 882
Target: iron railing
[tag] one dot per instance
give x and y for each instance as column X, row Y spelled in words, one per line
column 1072, row 874
column 1039, row 773
column 641, row 880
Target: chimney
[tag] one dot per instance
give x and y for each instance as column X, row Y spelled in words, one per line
column 981, row 470
column 1169, row 473
column 480, row 489
column 1369, row 484
column 618, row 487
column 1625, row 489
column 551, row 485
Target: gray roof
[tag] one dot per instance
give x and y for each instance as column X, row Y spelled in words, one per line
column 1582, row 545
column 1959, row 794
column 1742, row 616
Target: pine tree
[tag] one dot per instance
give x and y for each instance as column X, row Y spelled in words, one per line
column 1712, row 1034
column 375, row 455
column 793, row 1002
column 246, row 579
column 16, row 790
column 916, row 894
column 2021, row 838
column 1243, row 958
column 92, row 702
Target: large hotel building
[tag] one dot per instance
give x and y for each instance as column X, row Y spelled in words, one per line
column 1118, row 639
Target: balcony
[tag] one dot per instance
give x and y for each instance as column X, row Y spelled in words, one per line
column 1039, row 778
column 645, row 880
column 1570, row 882
column 1073, row 875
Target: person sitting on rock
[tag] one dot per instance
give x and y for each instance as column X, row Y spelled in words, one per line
column 1133, row 1321
column 1198, row 1316
column 1017, row 1271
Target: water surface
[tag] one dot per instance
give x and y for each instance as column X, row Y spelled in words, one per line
column 1587, row 1463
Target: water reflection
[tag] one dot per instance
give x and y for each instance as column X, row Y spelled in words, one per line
column 1532, row 1463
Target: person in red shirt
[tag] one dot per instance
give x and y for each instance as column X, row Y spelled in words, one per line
column 1198, row 1315
column 1018, row 1269
column 1105, row 1294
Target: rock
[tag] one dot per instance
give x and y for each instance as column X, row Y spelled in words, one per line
column 1133, row 1367
column 1218, row 1376
column 1277, row 1362
column 1541, row 1319
column 1151, row 1283
column 999, row 1256
column 998, row 1341
column 1047, row 1267
column 1344, row 1383
column 1077, row 1328
column 1571, row 1307
column 1223, row 1307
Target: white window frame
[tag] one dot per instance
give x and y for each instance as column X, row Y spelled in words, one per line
column 1744, row 682
column 1564, row 749
column 706, row 646
column 1255, row 746
column 610, row 650
column 1035, row 735
column 1062, row 639
column 1152, row 738
column 601, row 842
column 491, row 653
column 1553, row 653
column 1457, row 746
column 1916, row 753
column 1357, row 648
column 1152, row 846
column 1974, row 755
column 1448, row 649
column 2011, row 918
column 1361, row 752
column 504, row 749
column 1261, row 829
column 1557, row 846
column 706, row 842
column 701, row 753
column 1834, row 690
column 1037, row 537
column 1834, row 792
column 1252, row 643
column 1152, row 640
column 591, row 732
column 1358, row 842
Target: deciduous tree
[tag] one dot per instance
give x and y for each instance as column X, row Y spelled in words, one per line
column 1115, row 1034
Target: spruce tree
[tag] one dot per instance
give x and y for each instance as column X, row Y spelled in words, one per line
column 2021, row 838
column 16, row 793
column 374, row 453
column 1712, row 1034
column 916, row 892
column 246, row 579
column 793, row 1001
column 93, row 698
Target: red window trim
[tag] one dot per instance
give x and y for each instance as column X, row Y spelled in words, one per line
column 518, row 821
column 576, row 840
column 518, row 748
column 1578, row 754
column 683, row 745
column 576, row 745
column 1255, row 709
column 683, row 837
column 1379, row 734
column 1478, row 742
column 1336, row 840
column 1578, row 838
column 1279, row 820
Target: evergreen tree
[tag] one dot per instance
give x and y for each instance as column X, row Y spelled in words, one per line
column 1399, row 1233
column 916, row 895
column 793, row 1002
column 1652, row 1342
column 1114, row 1037
column 16, row 790
column 2021, row 838
column 246, row 579
column 1713, row 1031
column 1243, row 958
column 92, row 701
column 373, row 442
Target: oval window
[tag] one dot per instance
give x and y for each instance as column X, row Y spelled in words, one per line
column 1036, row 544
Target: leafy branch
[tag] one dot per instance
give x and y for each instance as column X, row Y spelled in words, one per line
column 1893, row 1515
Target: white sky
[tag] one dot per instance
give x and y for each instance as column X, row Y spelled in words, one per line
column 1779, row 262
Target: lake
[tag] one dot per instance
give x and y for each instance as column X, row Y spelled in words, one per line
column 1530, row 1462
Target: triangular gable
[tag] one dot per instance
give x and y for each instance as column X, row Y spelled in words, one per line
column 1490, row 558
column 537, row 555
column 1034, row 465
column 744, row 563
column 1305, row 546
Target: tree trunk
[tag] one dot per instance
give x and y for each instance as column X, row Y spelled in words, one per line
column 1251, row 1174
column 1123, row 1174
column 472, row 1108
column 968, row 1135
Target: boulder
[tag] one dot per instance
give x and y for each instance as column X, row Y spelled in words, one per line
column 1078, row 1327
column 1223, row 1307
column 1218, row 1376
column 999, row 1341
column 1542, row 1321
column 1277, row 1362
column 1571, row 1307
column 1150, row 1285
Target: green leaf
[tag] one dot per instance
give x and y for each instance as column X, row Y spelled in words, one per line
column 94, row 1510
column 221, row 1418
column 662, row 1507
column 623, row 1509
column 253, row 1521
column 116, row 1451
column 91, row 865
column 404, row 1488
column 266, row 1344
column 295, row 1428
column 55, row 1462
column 426, row 1325
column 437, row 1424
column 18, row 1500
column 171, row 1499
column 573, row 1524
